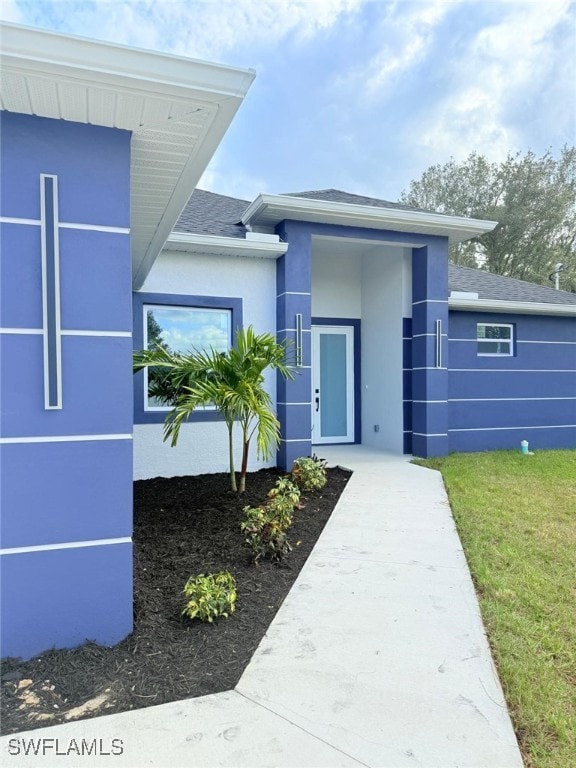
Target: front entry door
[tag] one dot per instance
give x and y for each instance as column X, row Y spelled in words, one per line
column 332, row 384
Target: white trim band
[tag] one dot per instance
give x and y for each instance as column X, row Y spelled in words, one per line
column 502, row 399
column 67, row 225
column 113, row 334
column 14, row 220
column 504, row 429
column 96, row 228
column 65, row 545
column 513, row 370
column 39, row 332
column 523, row 341
column 62, row 438
column 530, row 341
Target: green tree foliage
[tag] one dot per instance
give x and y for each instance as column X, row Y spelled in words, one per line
column 533, row 199
column 159, row 381
column 232, row 381
column 154, row 332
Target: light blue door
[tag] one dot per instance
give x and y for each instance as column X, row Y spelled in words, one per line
column 332, row 384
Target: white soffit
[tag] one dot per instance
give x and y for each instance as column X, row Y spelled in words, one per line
column 269, row 210
column 177, row 109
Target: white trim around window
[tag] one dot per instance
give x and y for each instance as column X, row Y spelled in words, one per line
column 499, row 340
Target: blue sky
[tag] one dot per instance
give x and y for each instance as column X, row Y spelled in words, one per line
column 184, row 329
column 354, row 94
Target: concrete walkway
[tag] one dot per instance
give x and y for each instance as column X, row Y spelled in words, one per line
column 377, row 657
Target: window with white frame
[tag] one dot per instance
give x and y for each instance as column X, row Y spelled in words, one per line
column 182, row 330
column 495, row 339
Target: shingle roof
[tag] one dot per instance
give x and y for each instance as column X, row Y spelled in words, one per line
column 490, row 286
column 211, row 214
column 337, row 196
column 207, row 213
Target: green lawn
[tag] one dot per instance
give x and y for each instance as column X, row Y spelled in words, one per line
column 516, row 516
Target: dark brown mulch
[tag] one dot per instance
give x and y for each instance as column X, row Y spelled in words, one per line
column 182, row 526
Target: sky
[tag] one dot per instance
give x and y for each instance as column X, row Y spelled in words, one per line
column 358, row 95
column 185, row 328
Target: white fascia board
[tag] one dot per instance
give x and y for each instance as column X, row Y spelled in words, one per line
column 92, row 62
column 511, row 307
column 217, row 245
column 115, row 70
column 275, row 208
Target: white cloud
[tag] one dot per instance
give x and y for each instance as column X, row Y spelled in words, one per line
column 10, row 11
column 507, row 71
column 245, row 186
column 407, row 31
column 196, row 29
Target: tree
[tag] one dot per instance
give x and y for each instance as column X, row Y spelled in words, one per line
column 159, row 383
column 532, row 199
column 154, row 332
column 232, row 381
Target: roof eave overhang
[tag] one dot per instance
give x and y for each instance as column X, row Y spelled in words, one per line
column 511, row 307
column 214, row 245
column 173, row 106
column 269, row 210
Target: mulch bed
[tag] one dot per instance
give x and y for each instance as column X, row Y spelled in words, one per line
column 182, row 526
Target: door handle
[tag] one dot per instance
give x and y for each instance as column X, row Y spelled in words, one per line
column 317, row 400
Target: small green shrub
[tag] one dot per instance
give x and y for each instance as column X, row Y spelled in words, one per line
column 309, row 473
column 286, row 488
column 210, row 596
column 265, row 533
column 283, row 498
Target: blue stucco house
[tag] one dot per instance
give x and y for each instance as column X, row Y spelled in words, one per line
column 396, row 348
column 106, row 247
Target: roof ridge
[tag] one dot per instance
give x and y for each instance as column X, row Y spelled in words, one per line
column 326, row 189
column 333, row 195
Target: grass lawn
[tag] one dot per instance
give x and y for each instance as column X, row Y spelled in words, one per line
column 516, row 516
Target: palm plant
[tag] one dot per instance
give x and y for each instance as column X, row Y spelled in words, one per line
column 231, row 381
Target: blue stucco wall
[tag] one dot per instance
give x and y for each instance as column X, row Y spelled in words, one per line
column 66, row 492
column 424, row 383
column 293, row 296
column 429, row 418
column 496, row 402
